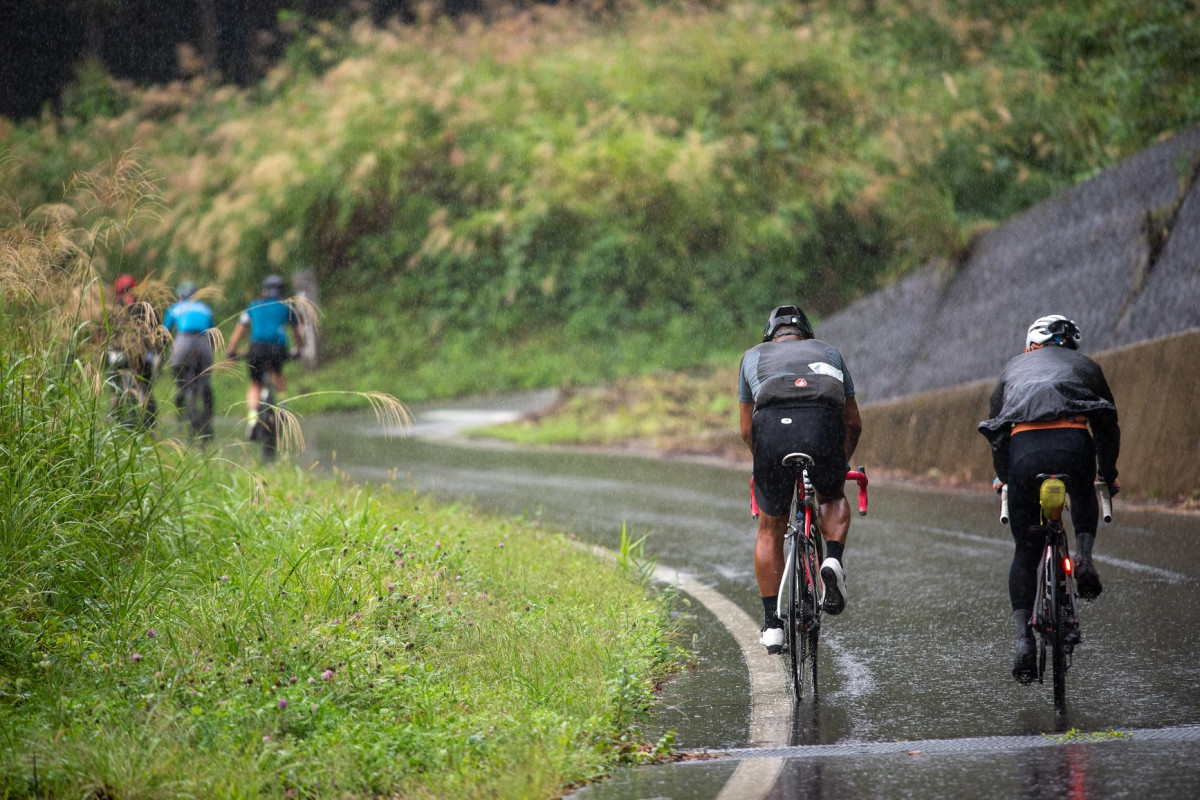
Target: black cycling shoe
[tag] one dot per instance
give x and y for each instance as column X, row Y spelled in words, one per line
column 1087, row 580
column 1025, row 661
column 1072, row 640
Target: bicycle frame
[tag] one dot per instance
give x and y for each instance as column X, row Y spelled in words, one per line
column 1055, row 616
column 801, row 591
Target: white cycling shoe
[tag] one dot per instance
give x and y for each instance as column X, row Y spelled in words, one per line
column 772, row 639
column 834, row 579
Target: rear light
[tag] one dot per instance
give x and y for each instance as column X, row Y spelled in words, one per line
column 1067, row 566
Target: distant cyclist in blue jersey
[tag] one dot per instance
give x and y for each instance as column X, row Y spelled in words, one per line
column 189, row 320
column 268, row 319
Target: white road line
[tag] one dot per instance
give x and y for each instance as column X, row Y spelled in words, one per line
column 770, row 700
column 1132, row 566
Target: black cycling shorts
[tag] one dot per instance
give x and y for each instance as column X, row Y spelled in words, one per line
column 819, row 431
column 265, row 357
column 1069, row 451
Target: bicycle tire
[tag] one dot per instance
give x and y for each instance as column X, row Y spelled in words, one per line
column 132, row 406
column 268, row 433
column 197, row 399
column 1058, row 633
column 807, row 622
column 814, row 628
column 794, row 628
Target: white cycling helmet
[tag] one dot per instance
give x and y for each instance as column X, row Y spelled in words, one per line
column 1054, row 329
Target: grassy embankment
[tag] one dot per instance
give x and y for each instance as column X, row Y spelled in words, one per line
column 553, row 198
column 175, row 626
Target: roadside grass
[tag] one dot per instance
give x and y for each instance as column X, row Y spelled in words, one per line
column 174, row 624
column 289, row 634
column 684, row 412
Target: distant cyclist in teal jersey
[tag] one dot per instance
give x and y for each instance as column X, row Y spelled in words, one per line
column 268, row 319
column 189, row 320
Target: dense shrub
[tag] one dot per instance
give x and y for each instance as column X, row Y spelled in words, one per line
column 554, row 180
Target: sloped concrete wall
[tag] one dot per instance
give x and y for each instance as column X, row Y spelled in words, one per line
column 1119, row 254
column 1156, row 385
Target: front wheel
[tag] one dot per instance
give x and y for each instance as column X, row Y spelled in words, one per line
column 807, row 620
column 198, row 403
column 267, row 432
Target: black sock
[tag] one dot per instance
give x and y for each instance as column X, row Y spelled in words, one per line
column 835, row 550
column 770, row 607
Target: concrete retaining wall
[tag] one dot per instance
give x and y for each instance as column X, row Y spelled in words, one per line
column 1119, row 254
column 1156, row 385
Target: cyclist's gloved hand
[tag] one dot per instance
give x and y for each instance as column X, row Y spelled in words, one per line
column 997, row 485
column 1114, row 486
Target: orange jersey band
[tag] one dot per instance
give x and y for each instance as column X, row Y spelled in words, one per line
column 1070, row 422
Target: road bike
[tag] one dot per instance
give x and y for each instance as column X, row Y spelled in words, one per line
column 1055, row 611
column 801, row 591
column 195, row 394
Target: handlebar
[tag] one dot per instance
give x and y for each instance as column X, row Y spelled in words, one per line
column 859, row 476
column 1105, row 500
column 1101, row 490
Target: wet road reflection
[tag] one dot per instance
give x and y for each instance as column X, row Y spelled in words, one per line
column 922, row 652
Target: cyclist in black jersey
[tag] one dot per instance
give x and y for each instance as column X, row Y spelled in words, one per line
column 796, row 395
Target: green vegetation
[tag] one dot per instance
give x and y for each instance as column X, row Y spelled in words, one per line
column 693, row 412
column 179, row 626
column 556, row 197
column 1075, row 736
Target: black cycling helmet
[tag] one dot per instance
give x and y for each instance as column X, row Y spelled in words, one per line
column 784, row 316
column 272, row 286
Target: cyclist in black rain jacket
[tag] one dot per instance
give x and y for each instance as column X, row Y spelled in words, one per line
column 1041, row 410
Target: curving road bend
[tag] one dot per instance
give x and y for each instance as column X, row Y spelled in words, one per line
column 916, row 698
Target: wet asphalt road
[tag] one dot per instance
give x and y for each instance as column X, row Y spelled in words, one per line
column 916, row 696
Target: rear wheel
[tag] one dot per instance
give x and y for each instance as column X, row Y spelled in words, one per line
column 794, row 625
column 267, row 433
column 1058, row 636
column 814, row 603
column 807, row 621
column 1059, row 658
column 198, row 406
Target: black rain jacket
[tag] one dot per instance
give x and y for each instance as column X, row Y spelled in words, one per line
column 1052, row 383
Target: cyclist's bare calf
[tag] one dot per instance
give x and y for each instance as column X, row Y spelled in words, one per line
column 835, row 516
column 768, row 552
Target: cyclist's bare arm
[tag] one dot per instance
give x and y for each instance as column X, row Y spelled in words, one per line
column 853, row 421
column 238, row 333
column 746, row 424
